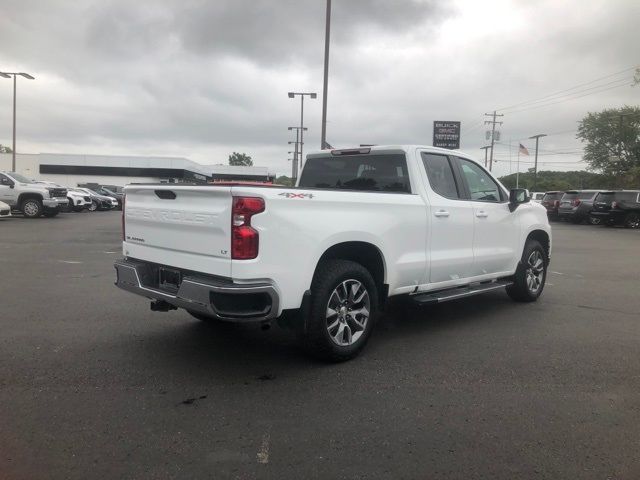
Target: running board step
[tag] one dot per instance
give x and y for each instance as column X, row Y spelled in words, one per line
column 459, row 292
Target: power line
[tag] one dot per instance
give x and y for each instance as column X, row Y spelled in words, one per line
column 568, row 99
column 569, row 89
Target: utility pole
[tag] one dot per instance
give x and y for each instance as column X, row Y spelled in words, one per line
column 299, row 132
column 325, row 87
column 302, row 129
column 493, row 132
column 535, row 162
column 485, row 154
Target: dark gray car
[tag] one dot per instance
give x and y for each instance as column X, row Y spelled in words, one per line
column 575, row 205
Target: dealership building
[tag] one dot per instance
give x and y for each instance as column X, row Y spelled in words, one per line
column 71, row 170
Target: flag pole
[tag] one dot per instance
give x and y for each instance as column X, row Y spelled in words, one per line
column 518, row 169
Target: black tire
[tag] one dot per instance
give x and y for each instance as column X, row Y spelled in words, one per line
column 31, row 208
column 632, row 220
column 50, row 213
column 317, row 339
column 521, row 290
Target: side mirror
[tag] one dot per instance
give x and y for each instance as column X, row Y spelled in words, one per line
column 517, row 196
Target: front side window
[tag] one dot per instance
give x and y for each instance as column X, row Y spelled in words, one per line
column 481, row 186
column 440, row 175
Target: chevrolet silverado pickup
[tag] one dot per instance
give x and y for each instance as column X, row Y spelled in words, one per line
column 323, row 257
column 30, row 198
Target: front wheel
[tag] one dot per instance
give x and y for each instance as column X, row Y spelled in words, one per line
column 32, row 208
column 94, row 206
column 632, row 220
column 344, row 302
column 595, row 221
column 531, row 274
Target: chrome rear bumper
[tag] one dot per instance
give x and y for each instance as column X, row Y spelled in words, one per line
column 217, row 297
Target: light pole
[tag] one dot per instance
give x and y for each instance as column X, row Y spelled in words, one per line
column 302, row 95
column 325, row 85
column 535, row 163
column 9, row 75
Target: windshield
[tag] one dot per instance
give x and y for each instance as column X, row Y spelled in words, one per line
column 19, row 178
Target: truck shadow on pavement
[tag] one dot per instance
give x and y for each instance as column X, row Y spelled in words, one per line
column 232, row 351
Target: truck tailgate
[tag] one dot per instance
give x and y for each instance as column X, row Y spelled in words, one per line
column 187, row 226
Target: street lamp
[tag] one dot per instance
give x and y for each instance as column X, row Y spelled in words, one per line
column 9, row 75
column 302, row 95
column 535, row 164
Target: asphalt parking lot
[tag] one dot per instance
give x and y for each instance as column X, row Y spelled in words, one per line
column 95, row 385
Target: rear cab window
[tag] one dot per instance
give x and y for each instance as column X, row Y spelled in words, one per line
column 552, row 196
column 383, row 172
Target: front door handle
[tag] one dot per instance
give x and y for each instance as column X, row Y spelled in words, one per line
column 482, row 214
column 441, row 213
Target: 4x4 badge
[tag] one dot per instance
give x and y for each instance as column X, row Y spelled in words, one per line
column 296, row 195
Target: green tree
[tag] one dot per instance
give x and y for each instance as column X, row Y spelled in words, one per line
column 240, row 159
column 4, row 149
column 550, row 180
column 284, row 180
column 612, row 140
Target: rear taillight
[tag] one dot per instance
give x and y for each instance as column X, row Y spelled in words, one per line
column 614, row 204
column 556, row 203
column 124, row 197
column 576, row 202
column 244, row 238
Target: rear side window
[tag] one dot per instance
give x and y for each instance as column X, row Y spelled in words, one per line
column 370, row 173
column 440, row 175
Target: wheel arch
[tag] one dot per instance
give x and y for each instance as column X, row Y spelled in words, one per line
column 366, row 254
column 28, row 196
column 544, row 239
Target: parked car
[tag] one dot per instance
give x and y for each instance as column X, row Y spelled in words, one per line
column 32, row 199
column 110, row 193
column 99, row 202
column 575, row 205
column 362, row 225
column 76, row 201
column 5, row 210
column 617, row 207
column 551, row 201
column 537, row 196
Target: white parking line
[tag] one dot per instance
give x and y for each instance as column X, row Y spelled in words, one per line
column 73, row 262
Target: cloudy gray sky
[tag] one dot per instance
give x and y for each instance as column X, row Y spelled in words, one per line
column 201, row 79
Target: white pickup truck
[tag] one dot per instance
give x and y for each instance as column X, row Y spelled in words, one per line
column 362, row 225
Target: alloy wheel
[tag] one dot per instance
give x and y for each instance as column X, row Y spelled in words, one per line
column 348, row 312
column 632, row 220
column 535, row 271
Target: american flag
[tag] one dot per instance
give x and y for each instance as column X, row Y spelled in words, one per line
column 523, row 150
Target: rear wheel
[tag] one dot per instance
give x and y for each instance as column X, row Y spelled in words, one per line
column 94, row 206
column 632, row 220
column 531, row 274
column 344, row 302
column 32, row 208
column 595, row 221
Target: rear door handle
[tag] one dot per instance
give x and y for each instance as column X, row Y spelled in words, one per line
column 482, row 214
column 441, row 213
